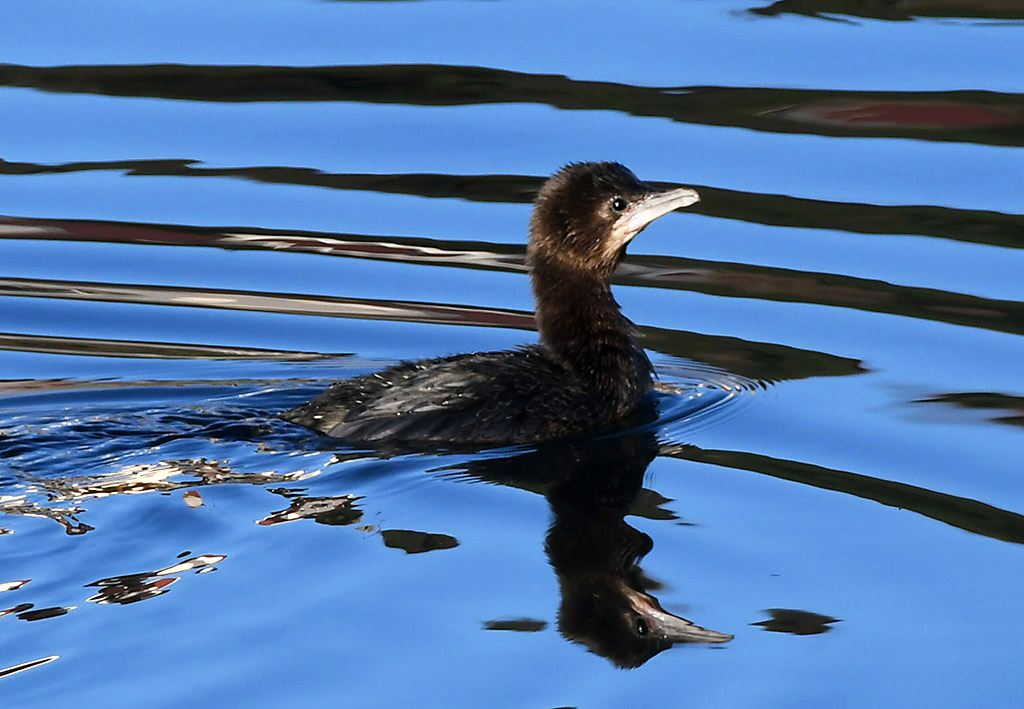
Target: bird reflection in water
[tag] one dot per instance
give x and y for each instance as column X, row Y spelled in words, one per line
column 132, row 588
column 591, row 486
column 338, row 510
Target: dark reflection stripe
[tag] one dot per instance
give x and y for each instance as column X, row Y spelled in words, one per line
column 961, row 512
column 984, row 117
column 15, row 387
column 282, row 303
column 967, row 225
column 22, row 666
column 95, row 347
column 709, row 277
column 790, row 286
column 899, row 11
column 759, row 361
column 1007, row 408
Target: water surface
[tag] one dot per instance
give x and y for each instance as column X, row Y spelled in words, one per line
column 208, row 213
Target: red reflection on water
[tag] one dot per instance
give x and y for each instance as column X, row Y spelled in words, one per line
column 926, row 115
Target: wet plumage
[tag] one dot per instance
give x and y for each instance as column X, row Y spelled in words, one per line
column 586, row 374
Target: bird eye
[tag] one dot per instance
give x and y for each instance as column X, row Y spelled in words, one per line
column 619, row 204
column 642, row 628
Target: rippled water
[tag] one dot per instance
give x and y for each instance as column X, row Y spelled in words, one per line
column 210, row 211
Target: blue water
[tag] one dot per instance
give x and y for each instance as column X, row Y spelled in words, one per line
column 210, row 211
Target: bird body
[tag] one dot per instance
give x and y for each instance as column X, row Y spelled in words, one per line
column 588, row 371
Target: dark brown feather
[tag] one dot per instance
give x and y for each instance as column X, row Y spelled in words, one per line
column 587, row 373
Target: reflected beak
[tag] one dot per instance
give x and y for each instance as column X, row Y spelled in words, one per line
column 680, row 630
column 669, row 626
column 649, row 208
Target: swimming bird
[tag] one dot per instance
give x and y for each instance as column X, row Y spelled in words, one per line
column 587, row 374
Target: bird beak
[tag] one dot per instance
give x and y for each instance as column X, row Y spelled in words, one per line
column 649, row 208
column 658, row 204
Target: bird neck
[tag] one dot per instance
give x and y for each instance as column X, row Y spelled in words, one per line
column 583, row 330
